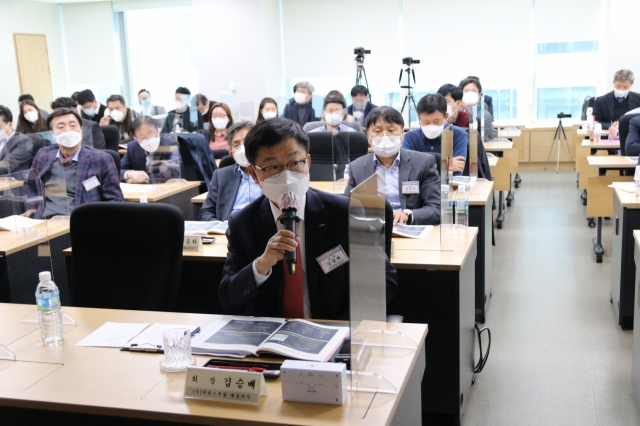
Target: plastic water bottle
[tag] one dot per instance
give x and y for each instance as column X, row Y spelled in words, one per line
column 49, row 309
column 346, row 174
column 446, row 207
column 636, row 179
column 462, row 208
column 597, row 131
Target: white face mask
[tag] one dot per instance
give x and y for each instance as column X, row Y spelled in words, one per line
column 449, row 110
column 241, row 157
column 386, row 146
column 300, row 97
column 150, row 144
column 31, row 116
column 620, row 93
column 268, row 115
column 116, row 115
column 68, row 139
column 432, row 131
column 335, row 119
column 286, row 181
column 220, row 123
column 470, row 98
column 181, row 106
column 359, row 105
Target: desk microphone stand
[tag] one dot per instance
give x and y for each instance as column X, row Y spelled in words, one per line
column 408, row 99
column 556, row 139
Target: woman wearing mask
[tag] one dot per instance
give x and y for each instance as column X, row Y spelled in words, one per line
column 30, row 120
column 268, row 109
column 412, row 183
column 220, row 121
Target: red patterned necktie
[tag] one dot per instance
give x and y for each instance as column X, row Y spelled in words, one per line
column 292, row 298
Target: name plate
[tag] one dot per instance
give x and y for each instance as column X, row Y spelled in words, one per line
column 192, row 243
column 217, row 384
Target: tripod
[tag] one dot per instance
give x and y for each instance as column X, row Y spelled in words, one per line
column 361, row 73
column 556, row 138
column 409, row 97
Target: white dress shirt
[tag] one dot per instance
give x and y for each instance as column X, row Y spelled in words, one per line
column 300, row 234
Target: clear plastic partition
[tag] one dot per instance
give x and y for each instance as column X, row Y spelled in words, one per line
column 340, row 151
column 244, row 112
column 163, row 164
column 193, row 111
column 367, row 289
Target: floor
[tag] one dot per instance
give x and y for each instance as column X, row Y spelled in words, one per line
column 558, row 356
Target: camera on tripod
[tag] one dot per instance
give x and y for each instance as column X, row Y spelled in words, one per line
column 360, row 52
column 563, row 115
column 410, row 61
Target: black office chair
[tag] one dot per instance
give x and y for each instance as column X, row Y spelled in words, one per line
column 438, row 161
column 38, row 142
column 226, row 161
column 111, row 137
column 115, row 156
column 126, row 256
column 329, row 152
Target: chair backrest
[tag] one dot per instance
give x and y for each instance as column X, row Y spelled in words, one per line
column 189, row 168
column 115, row 156
column 38, row 143
column 315, row 124
column 329, row 152
column 107, row 271
column 623, row 130
column 388, row 227
column 438, row 162
column 111, row 137
column 226, row 161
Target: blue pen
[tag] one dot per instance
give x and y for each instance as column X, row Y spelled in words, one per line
column 196, row 331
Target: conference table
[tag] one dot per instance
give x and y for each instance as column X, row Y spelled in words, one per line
column 68, row 384
column 177, row 193
column 600, row 200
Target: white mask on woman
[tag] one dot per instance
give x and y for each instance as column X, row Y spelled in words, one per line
column 220, row 123
column 268, row 115
column 31, row 116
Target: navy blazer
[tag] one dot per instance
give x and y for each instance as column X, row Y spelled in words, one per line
column 632, row 144
column 367, row 110
column 603, row 107
column 291, row 112
column 326, row 226
column 168, row 152
column 414, row 166
column 15, row 156
column 223, row 191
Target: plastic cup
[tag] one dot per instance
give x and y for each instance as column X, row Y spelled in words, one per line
column 177, row 350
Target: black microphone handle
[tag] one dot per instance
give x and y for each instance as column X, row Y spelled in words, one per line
column 289, row 220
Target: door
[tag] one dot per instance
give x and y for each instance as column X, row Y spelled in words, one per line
column 33, row 67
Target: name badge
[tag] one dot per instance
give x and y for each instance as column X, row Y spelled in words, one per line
column 192, row 243
column 217, row 384
column 91, row 183
column 412, row 187
column 332, row 259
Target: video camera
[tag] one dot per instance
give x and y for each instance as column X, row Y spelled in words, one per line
column 563, row 115
column 360, row 52
column 410, row 61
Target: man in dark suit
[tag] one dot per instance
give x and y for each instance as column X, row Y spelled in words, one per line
column 608, row 108
column 181, row 116
column 632, row 143
column 151, row 157
column 231, row 187
column 71, row 174
column 91, row 108
column 411, row 181
column 254, row 280
column 15, row 148
column 91, row 132
column 299, row 109
column 360, row 106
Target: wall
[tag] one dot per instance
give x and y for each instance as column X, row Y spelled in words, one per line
column 18, row 16
column 623, row 44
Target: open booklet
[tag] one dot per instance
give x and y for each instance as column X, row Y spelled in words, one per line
column 11, row 223
column 242, row 336
column 203, row 228
column 412, row 231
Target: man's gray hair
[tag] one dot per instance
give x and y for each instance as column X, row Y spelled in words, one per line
column 305, row 85
column 623, row 75
column 231, row 131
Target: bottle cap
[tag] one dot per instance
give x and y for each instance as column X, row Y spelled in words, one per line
column 143, row 199
column 44, row 276
column 462, row 189
column 444, row 188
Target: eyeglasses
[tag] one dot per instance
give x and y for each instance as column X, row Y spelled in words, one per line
column 294, row 166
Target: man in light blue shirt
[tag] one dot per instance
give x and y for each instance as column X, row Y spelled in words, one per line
column 388, row 181
column 231, row 187
column 334, row 115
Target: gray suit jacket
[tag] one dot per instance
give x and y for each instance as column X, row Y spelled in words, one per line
column 92, row 135
column 223, row 190
column 414, row 166
column 16, row 154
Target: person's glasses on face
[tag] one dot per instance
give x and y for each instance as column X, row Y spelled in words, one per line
column 294, row 166
column 218, row 115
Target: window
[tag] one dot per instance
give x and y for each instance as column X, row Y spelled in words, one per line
column 568, row 47
column 505, row 103
column 569, row 100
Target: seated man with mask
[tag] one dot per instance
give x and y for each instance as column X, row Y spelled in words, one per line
column 91, row 133
column 152, row 157
column 231, row 187
column 455, row 114
column 71, row 174
column 360, row 106
column 432, row 113
column 409, row 179
column 254, row 279
column 334, row 115
column 117, row 114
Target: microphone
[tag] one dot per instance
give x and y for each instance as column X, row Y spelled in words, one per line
column 289, row 204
